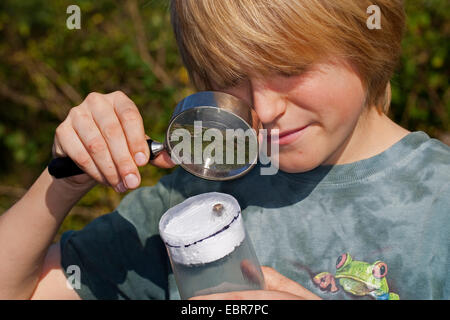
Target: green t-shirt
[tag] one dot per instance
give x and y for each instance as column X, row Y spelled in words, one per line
column 389, row 213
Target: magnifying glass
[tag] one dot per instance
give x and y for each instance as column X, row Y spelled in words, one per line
column 192, row 138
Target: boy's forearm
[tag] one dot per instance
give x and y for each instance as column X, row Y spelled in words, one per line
column 27, row 230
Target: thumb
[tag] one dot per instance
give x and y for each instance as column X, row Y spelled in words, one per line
column 163, row 160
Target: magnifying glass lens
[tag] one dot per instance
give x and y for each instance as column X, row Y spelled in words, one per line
column 212, row 143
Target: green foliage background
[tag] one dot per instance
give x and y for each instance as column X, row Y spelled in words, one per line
column 45, row 69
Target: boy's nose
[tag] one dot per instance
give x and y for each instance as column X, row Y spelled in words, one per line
column 268, row 104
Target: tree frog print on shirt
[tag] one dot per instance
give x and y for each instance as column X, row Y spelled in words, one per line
column 358, row 278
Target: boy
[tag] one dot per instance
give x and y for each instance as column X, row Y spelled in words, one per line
column 359, row 207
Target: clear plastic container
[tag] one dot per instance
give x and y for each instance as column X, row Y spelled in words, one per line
column 208, row 246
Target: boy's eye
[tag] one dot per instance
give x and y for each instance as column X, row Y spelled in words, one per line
column 296, row 72
column 288, row 74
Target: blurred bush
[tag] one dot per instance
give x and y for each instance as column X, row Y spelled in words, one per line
column 420, row 91
column 46, row 69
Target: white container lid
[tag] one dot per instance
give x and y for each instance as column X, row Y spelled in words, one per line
column 203, row 228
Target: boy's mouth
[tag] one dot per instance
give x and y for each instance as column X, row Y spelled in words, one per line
column 286, row 136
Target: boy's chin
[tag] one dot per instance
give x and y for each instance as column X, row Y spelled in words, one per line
column 298, row 166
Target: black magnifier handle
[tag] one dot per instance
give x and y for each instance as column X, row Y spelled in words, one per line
column 65, row 167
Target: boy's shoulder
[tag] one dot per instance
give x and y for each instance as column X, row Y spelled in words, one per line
column 429, row 172
column 433, row 155
column 423, row 170
column 439, row 151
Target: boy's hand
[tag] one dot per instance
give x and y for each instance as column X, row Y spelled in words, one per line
column 105, row 137
column 278, row 287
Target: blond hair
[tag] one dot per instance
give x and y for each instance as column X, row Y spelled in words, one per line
column 223, row 41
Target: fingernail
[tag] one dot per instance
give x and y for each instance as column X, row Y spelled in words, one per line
column 121, row 187
column 140, row 159
column 131, row 181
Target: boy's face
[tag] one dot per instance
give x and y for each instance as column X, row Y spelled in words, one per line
column 315, row 112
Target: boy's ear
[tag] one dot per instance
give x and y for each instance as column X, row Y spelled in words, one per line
column 386, row 103
column 383, row 102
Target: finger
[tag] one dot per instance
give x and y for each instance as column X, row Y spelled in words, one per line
column 163, row 160
column 249, row 295
column 57, row 150
column 276, row 281
column 70, row 145
column 251, row 272
column 93, row 141
column 132, row 124
column 112, row 132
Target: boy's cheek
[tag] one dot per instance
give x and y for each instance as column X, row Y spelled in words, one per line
column 306, row 154
column 317, row 148
column 333, row 100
